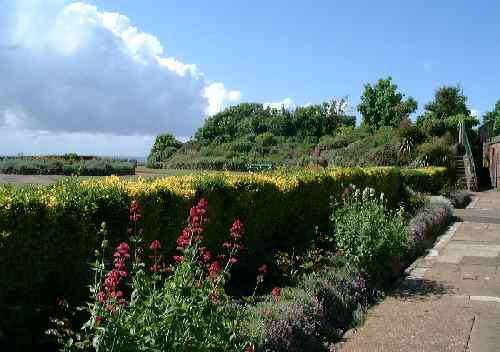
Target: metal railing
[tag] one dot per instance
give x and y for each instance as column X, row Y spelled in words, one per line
column 468, row 157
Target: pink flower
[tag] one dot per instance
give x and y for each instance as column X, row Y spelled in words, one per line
column 155, row 268
column 237, row 229
column 232, row 260
column 227, row 245
column 207, row 256
column 98, row 320
column 101, row 297
column 263, row 269
column 214, row 269
column 178, row 258
column 155, row 245
column 276, row 292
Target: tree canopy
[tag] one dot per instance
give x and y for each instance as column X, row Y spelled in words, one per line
column 443, row 114
column 492, row 119
column 382, row 105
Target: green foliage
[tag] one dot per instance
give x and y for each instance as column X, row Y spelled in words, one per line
column 492, row 119
column 382, row 148
column 443, row 113
column 66, row 165
column 426, row 180
column 436, row 152
column 183, row 308
column 374, row 239
column 165, row 145
column 303, row 318
column 253, row 134
column 381, row 105
column 448, row 101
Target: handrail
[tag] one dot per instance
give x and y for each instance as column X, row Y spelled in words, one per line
column 462, row 137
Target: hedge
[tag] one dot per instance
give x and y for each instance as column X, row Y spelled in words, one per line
column 65, row 166
column 48, row 233
column 426, row 180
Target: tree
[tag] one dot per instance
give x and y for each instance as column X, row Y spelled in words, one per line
column 443, row 114
column 448, row 101
column 165, row 145
column 382, row 105
column 492, row 119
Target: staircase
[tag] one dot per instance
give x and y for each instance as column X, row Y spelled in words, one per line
column 464, row 164
column 464, row 178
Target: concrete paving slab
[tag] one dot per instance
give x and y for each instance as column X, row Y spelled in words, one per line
column 410, row 326
column 485, row 334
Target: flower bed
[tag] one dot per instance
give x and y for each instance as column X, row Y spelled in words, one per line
column 52, row 230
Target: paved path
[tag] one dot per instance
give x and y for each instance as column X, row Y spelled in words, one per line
column 451, row 299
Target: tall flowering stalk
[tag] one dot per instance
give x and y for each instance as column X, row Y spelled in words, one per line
column 142, row 303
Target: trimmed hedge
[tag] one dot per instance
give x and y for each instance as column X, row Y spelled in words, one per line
column 65, row 166
column 427, row 179
column 48, row 233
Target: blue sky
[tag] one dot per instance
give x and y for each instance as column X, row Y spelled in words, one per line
column 118, row 72
column 312, row 51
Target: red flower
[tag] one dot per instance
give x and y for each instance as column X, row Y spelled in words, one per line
column 98, row 320
column 238, row 229
column 101, row 296
column 214, row 269
column 207, row 256
column 155, row 268
column 155, row 245
column 227, row 245
column 232, row 260
column 276, row 292
column 263, row 269
column 178, row 258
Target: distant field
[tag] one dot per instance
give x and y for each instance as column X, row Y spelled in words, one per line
column 50, row 179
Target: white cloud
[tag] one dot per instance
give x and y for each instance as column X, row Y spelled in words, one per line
column 474, row 112
column 218, row 97
column 286, row 103
column 70, row 68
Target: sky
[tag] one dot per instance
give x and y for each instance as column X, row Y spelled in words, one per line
column 104, row 77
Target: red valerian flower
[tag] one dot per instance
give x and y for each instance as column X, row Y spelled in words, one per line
column 232, row 260
column 214, row 269
column 227, row 245
column 276, row 292
column 263, row 269
column 155, row 245
column 237, row 230
column 178, row 258
column 101, row 296
column 155, row 268
column 207, row 256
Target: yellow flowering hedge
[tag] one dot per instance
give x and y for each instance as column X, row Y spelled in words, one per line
column 48, row 233
column 427, row 179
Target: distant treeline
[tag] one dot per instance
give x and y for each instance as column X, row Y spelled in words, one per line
column 68, row 164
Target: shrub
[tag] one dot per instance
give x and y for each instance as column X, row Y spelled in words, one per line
column 374, row 239
column 430, row 221
column 303, row 318
column 437, row 152
column 66, row 166
column 148, row 304
column 459, row 199
column 426, row 180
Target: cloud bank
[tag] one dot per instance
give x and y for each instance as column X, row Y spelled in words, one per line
column 71, row 68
